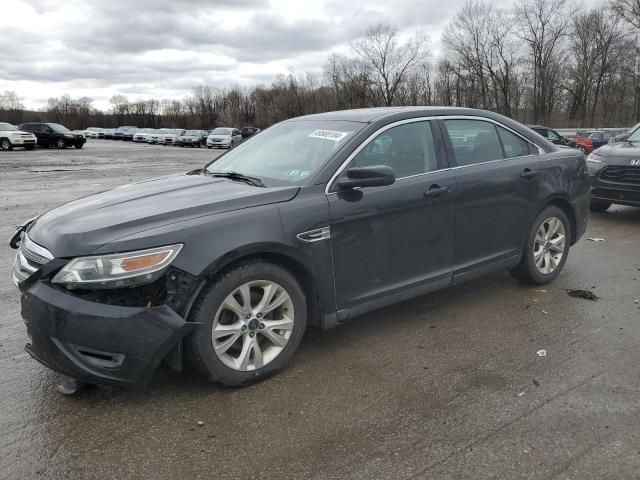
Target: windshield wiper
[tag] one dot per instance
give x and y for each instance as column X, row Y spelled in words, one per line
column 256, row 182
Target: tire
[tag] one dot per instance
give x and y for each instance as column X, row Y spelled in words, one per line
column 210, row 312
column 209, row 147
column 5, row 144
column 60, row 143
column 599, row 205
column 78, row 145
column 540, row 264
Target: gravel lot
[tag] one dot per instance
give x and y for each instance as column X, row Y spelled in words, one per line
column 445, row 386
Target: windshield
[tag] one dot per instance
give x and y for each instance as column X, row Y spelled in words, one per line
column 193, row 133
column 174, row 132
column 222, row 131
column 288, row 153
column 635, row 134
column 7, row 126
column 57, row 128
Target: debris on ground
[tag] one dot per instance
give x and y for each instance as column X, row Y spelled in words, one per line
column 545, row 312
column 542, row 353
column 521, row 394
column 541, row 291
column 586, row 294
column 200, row 423
column 536, row 382
column 596, row 239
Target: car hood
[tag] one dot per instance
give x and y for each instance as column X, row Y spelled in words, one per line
column 620, row 152
column 82, row 226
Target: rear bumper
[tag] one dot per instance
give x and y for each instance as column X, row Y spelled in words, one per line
column 97, row 343
column 619, row 193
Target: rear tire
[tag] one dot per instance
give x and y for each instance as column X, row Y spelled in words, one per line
column 599, row 205
column 263, row 356
column 542, row 260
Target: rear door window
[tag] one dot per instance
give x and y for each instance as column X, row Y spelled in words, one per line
column 512, row 144
column 474, row 141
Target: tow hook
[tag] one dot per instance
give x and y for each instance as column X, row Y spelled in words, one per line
column 69, row 385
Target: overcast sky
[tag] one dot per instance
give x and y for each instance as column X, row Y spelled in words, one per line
column 164, row 48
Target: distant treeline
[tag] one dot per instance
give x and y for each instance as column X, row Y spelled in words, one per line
column 541, row 61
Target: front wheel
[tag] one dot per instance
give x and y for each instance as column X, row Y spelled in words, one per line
column 599, row 205
column 78, row 145
column 6, row 145
column 547, row 247
column 60, row 143
column 252, row 320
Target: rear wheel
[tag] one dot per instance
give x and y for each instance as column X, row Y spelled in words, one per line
column 547, row 247
column 599, row 205
column 252, row 321
column 5, row 144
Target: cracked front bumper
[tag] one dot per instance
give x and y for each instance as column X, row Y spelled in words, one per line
column 97, row 343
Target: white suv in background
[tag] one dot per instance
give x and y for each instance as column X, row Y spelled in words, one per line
column 11, row 136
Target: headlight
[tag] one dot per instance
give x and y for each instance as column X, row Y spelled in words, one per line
column 595, row 163
column 117, row 270
column 68, row 135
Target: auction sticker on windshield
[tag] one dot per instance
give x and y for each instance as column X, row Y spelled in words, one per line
column 329, row 135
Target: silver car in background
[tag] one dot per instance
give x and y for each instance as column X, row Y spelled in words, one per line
column 224, row 137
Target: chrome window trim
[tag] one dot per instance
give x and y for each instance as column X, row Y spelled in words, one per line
column 360, row 147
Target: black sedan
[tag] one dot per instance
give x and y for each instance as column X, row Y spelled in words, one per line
column 312, row 222
column 192, row 138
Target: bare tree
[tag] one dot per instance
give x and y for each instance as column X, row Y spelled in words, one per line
column 389, row 61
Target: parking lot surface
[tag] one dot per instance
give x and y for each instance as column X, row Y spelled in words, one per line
column 450, row 385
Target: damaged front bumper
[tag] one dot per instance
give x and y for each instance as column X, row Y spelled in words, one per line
column 98, row 343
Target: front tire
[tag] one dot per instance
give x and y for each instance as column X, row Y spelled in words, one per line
column 253, row 318
column 60, row 143
column 546, row 249
column 6, row 145
column 599, row 205
column 78, row 145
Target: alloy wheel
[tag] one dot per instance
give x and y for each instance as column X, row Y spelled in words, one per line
column 61, row 143
column 253, row 325
column 5, row 144
column 549, row 245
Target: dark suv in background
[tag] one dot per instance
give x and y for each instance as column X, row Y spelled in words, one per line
column 553, row 136
column 54, row 135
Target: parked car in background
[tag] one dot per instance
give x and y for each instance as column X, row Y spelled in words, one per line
column 120, row 131
column 247, row 132
column 317, row 220
column 54, row 135
column 11, row 136
column 128, row 135
column 614, row 170
column 143, row 135
column 192, row 138
column 224, row 137
column 108, row 133
column 553, row 136
column 94, row 132
column 171, row 136
column 582, row 142
column 599, row 139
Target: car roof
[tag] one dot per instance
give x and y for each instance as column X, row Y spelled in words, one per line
column 368, row 115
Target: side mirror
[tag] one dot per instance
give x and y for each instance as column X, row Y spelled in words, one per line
column 375, row 176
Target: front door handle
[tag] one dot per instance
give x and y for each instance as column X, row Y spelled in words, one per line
column 528, row 174
column 435, row 191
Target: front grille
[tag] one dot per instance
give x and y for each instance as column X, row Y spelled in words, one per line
column 29, row 259
column 621, row 174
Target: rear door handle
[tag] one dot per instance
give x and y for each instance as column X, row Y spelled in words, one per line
column 436, row 191
column 528, row 174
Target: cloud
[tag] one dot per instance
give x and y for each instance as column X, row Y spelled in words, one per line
column 158, row 48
